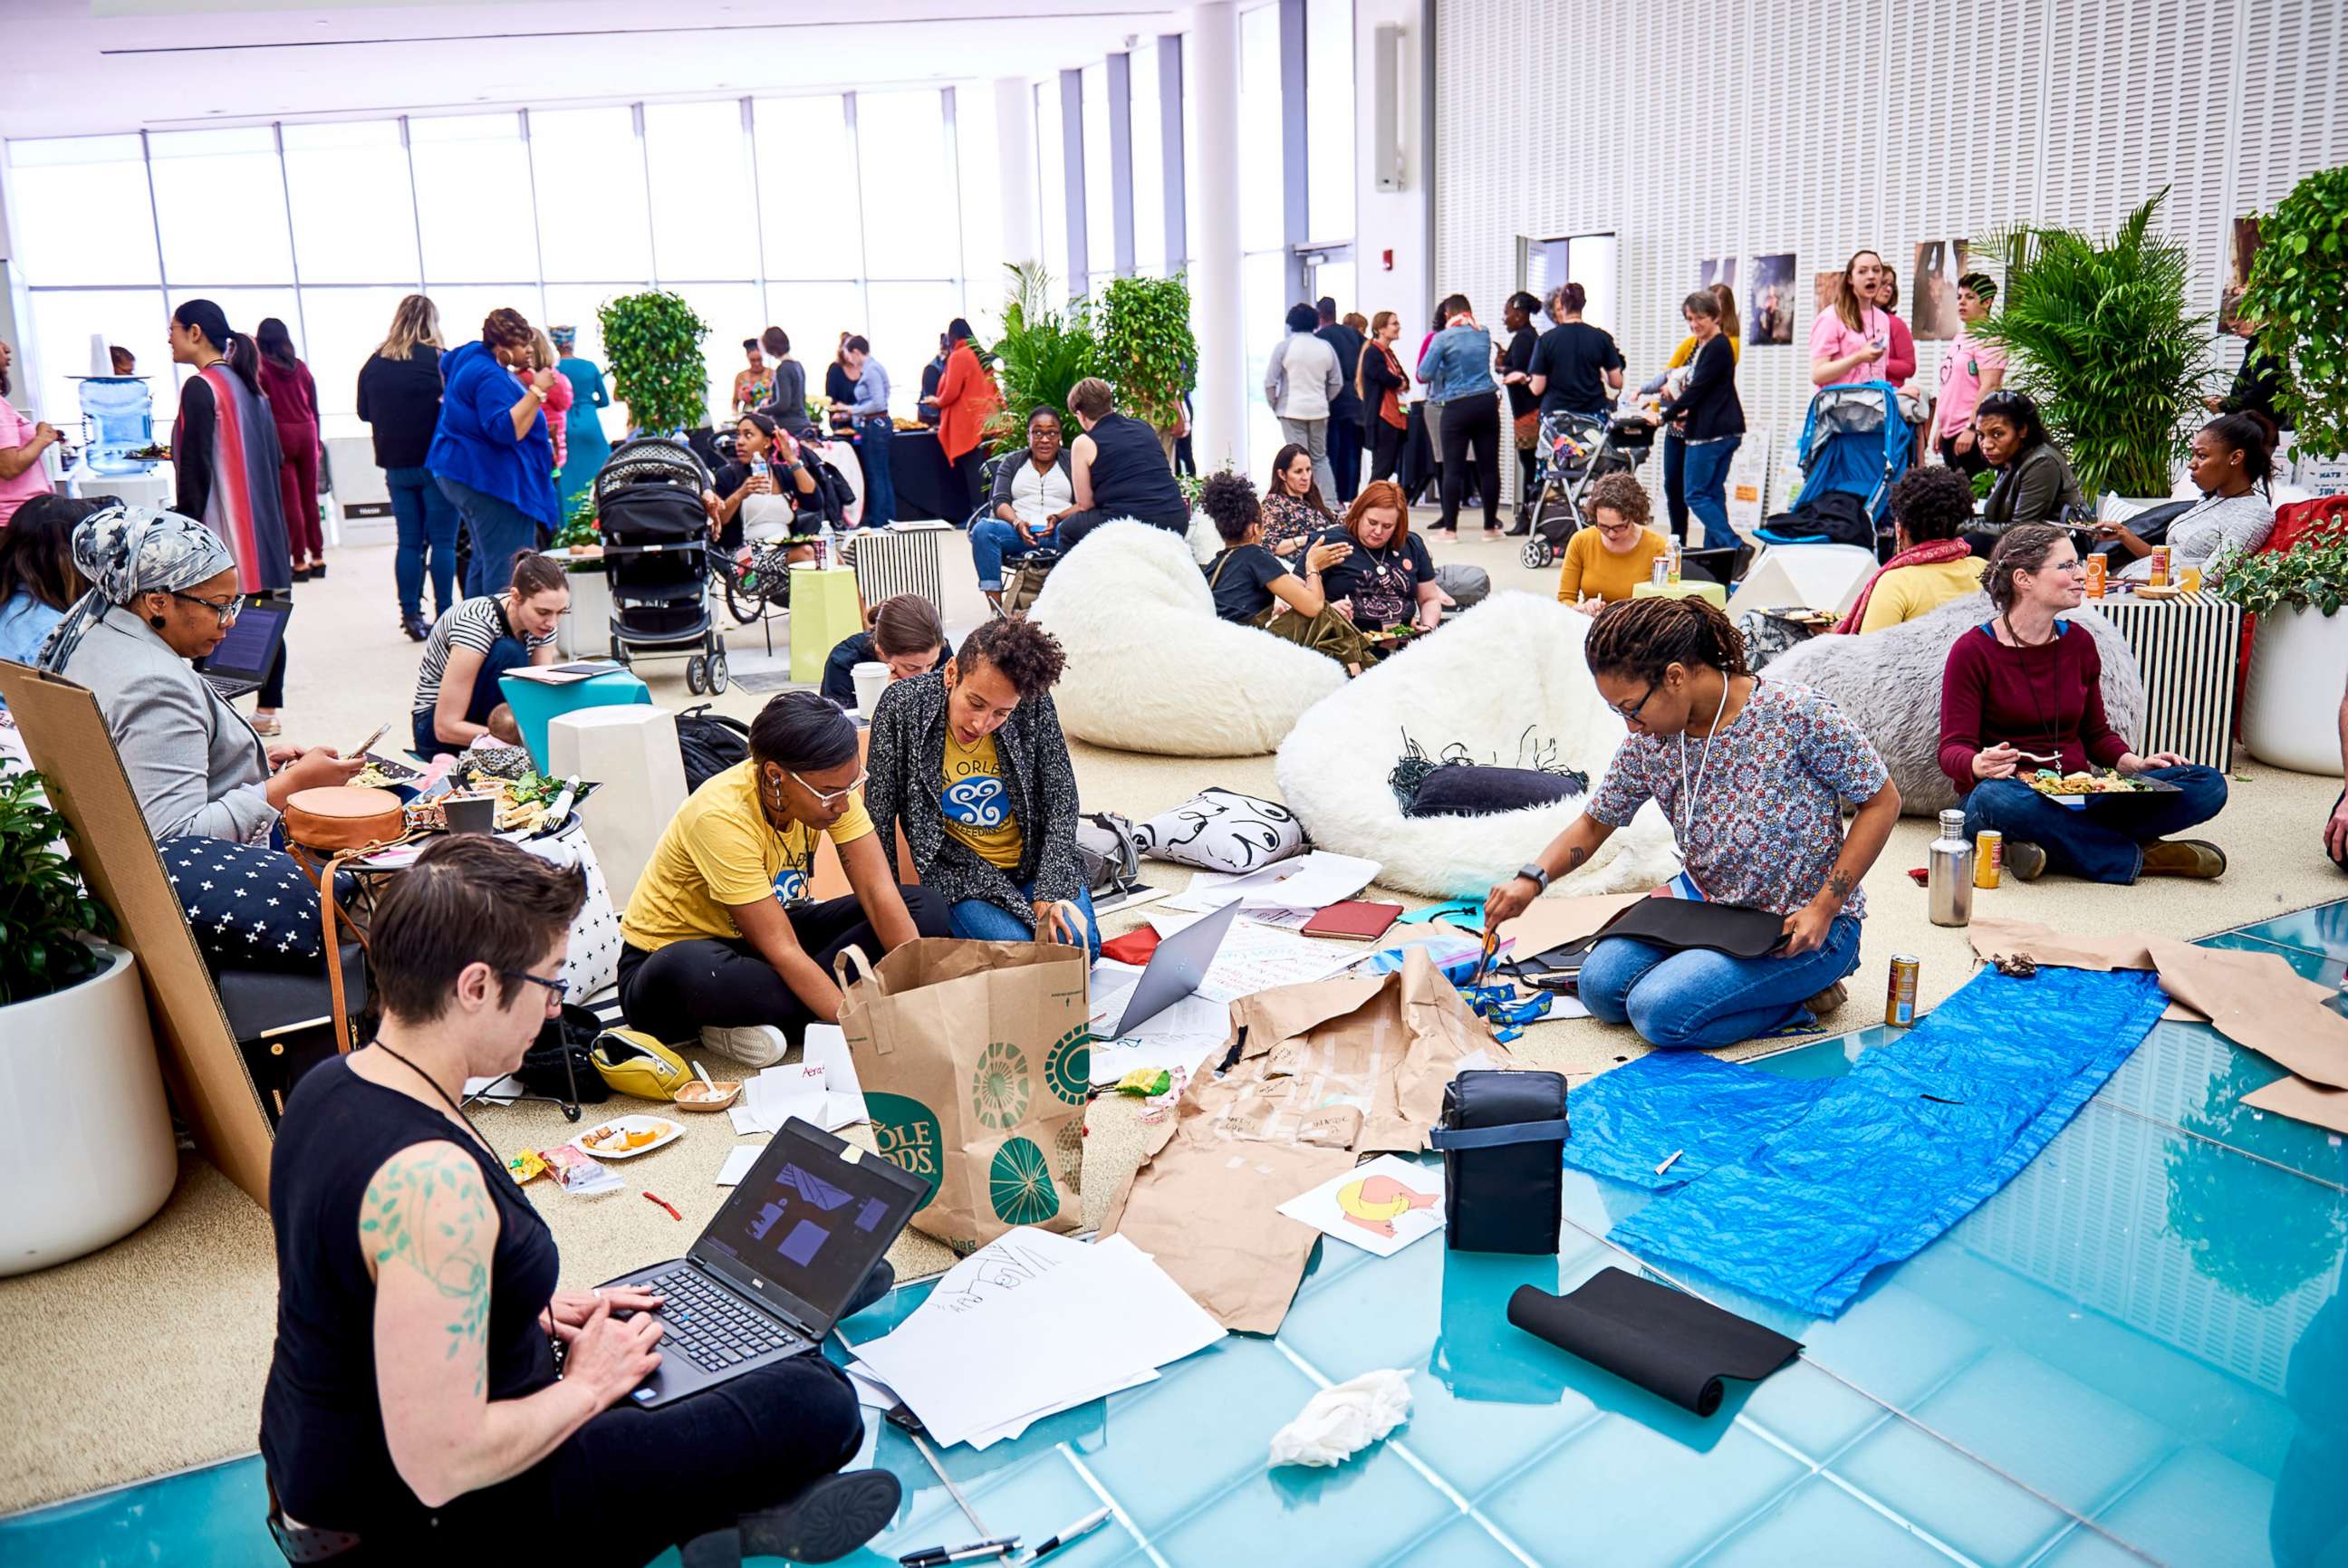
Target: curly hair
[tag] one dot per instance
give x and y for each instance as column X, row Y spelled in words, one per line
column 1619, row 493
column 506, row 327
column 1229, row 500
column 1029, row 656
column 1644, row 638
column 1933, row 503
column 2023, row 548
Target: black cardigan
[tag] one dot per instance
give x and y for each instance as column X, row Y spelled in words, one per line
column 401, row 399
column 905, row 768
column 1709, row 401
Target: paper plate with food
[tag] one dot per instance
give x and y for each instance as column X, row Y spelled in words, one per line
column 625, row 1137
column 2075, row 789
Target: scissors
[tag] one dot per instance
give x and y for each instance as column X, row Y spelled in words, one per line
column 1484, row 959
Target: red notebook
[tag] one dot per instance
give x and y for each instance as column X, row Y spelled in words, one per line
column 1354, row 920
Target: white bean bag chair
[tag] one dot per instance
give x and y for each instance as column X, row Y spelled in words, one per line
column 1889, row 682
column 1507, row 681
column 1150, row 666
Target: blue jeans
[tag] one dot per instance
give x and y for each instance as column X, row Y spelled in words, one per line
column 1707, row 482
column 1702, row 998
column 994, row 541
column 505, row 654
column 428, row 531
column 2103, row 842
column 880, row 484
column 1675, row 482
column 500, row 530
column 980, row 921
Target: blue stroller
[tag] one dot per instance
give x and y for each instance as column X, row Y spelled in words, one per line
column 1856, row 442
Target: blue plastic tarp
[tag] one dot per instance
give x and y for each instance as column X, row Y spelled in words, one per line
column 1886, row 1157
column 1629, row 1121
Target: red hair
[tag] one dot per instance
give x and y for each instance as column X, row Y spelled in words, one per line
column 1379, row 493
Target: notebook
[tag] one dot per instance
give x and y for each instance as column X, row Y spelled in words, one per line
column 1354, row 920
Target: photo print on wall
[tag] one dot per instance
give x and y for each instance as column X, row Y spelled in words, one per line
column 2242, row 250
column 1933, row 316
column 1717, row 270
column 1770, row 306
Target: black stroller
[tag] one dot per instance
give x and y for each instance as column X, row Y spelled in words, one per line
column 656, row 539
column 1577, row 449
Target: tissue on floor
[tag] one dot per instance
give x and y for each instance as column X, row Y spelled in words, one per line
column 1342, row 1419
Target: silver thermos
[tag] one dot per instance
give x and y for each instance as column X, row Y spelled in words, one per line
column 1950, row 881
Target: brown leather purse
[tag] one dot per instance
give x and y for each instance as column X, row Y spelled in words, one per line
column 324, row 827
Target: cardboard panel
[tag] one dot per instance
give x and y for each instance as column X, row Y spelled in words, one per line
column 829, row 878
column 66, row 737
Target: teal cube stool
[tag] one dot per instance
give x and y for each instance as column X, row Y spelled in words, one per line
column 534, row 703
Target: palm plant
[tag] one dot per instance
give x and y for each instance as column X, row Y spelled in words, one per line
column 2098, row 334
column 1042, row 354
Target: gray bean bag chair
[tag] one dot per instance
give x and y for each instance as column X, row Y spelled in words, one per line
column 1889, row 682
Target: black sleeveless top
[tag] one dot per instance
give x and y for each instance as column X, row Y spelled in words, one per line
column 321, row 1432
column 1131, row 477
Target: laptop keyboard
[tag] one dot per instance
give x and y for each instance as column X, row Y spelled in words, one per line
column 712, row 1328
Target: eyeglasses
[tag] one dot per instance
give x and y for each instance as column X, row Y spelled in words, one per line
column 828, row 798
column 227, row 612
column 1630, row 714
column 561, row 988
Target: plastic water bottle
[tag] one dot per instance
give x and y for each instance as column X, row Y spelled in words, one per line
column 120, row 409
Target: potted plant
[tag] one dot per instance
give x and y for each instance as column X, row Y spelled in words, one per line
column 1147, row 349
column 2298, row 295
column 2097, row 334
column 1042, row 354
column 654, row 342
column 86, row 1148
column 2298, row 656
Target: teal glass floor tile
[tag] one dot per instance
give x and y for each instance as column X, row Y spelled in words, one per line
column 208, row 1517
column 2189, row 1077
column 2201, row 1507
column 1465, row 1543
column 2323, row 929
column 1354, row 1512
column 1822, row 1525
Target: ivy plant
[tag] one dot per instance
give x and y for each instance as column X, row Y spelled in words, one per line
column 2298, row 295
column 654, row 342
column 1147, row 350
column 47, row 916
column 2313, row 574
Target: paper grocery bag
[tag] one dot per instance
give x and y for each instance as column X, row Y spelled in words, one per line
column 975, row 1058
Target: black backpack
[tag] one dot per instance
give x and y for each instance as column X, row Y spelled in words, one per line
column 710, row 743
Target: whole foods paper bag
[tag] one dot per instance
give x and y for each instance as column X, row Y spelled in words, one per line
column 975, row 1059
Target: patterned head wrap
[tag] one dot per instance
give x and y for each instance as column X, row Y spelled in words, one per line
column 127, row 551
column 562, row 337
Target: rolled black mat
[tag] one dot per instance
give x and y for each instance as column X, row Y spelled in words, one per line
column 1664, row 1340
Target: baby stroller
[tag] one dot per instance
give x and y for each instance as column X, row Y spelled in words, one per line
column 1856, row 441
column 1577, row 449
column 656, row 538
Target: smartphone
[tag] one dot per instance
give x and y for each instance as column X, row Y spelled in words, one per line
column 369, row 744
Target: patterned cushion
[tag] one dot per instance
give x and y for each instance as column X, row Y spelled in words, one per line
column 1221, row 831
column 250, row 905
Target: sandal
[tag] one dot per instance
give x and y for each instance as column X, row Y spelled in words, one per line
column 268, row 728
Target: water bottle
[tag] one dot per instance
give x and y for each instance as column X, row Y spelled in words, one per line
column 120, row 409
column 1949, row 881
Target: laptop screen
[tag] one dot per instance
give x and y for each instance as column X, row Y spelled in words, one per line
column 250, row 645
column 809, row 1222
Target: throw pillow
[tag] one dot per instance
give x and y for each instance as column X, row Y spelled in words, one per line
column 251, row 907
column 1221, row 831
column 1468, row 790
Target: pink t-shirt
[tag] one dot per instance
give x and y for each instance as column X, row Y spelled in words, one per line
column 1830, row 339
column 1961, row 379
column 15, row 430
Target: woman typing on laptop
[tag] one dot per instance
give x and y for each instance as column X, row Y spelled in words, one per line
column 431, row 1390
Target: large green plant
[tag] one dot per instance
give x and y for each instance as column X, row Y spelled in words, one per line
column 2298, row 294
column 2313, row 574
column 45, row 911
column 654, row 342
column 1147, row 350
column 1042, row 353
column 2098, row 334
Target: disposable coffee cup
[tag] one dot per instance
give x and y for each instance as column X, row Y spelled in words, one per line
column 475, row 814
column 871, row 679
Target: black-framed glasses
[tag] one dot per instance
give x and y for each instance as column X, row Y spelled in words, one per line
column 561, row 988
column 1630, row 714
column 227, row 612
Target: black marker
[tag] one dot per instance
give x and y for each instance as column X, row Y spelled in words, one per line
column 936, row 1556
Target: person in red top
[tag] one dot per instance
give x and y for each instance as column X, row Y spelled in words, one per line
column 293, row 405
column 965, row 400
column 1900, row 363
column 2024, row 693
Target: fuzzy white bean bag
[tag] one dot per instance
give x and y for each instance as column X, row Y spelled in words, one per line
column 1150, row 666
column 1507, row 681
column 1889, row 682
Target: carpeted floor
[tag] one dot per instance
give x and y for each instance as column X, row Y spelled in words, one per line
column 151, row 1355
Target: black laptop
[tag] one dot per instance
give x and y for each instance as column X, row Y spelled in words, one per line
column 770, row 1276
column 240, row 666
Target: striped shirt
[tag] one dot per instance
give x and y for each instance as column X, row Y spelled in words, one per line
column 475, row 624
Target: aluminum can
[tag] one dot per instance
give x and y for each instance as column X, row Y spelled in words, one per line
column 1989, row 857
column 1899, row 997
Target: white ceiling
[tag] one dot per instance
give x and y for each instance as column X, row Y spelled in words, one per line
column 81, row 67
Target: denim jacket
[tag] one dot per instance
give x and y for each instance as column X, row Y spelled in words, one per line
column 1458, row 364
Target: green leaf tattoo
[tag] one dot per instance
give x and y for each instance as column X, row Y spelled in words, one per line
column 432, row 1214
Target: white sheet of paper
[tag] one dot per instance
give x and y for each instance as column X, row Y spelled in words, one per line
column 1019, row 1429
column 737, row 1163
column 1258, row 957
column 1114, row 1059
column 827, row 1048
column 1307, row 881
column 1380, row 1207
column 495, row 1090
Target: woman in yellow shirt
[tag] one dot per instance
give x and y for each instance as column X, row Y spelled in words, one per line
column 1616, row 553
column 1929, row 507
column 720, row 936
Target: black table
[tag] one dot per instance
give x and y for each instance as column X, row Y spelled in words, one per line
column 927, row 485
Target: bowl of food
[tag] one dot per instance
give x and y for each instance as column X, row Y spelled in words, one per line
column 714, row 1095
column 2075, row 789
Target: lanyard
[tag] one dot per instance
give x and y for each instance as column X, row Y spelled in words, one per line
column 1688, row 795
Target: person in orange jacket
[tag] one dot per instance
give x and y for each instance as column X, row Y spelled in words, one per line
column 966, row 398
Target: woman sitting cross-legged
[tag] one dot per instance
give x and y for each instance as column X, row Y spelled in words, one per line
column 1929, row 507
column 1255, row 588
column 430, row 1385
column 1616, row 553
column 472, row 647
column 970, row 761
column 1389, row 578
column 1764, row 830
column 720, row 936
column 2025, row 693
column 902, row 632
column 1033, row 491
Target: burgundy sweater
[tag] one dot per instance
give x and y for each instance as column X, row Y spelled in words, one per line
column 2041, row 700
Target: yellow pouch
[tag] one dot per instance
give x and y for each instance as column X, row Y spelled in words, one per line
column 632, row 1062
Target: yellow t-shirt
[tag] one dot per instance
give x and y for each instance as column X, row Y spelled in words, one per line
column 977, row 808
column 720, row 849
column 1913, row 591
column 1686, row 352
column 1591, row 568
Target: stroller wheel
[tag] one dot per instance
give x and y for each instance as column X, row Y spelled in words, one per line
column 719, row 679
column 694, row 681
column 746, row 604
column 1536, row 552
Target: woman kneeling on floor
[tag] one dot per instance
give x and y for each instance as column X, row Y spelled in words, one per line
column 415, row 1402
column 971, row 761
column 720, row 936
column 1764, row 830
column 460, row 682
column 2024, row 692
column 1253, row 587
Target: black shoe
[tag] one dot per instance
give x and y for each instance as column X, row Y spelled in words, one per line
column 415, row 627
column 1522, row 526
column 317, row 569
column 301, row 574
column 879, row 1282
column 827, row 1520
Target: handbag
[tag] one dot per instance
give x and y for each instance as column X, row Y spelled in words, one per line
column 340, row 823
column 1503, row 1142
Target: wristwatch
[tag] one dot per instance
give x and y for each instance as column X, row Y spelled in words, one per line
column 1538, row 877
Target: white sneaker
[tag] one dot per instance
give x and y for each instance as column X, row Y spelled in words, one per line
column 752, row 1045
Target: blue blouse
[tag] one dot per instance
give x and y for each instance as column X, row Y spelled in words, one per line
column 476, row 445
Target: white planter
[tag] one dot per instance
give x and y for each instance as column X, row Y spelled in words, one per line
column 2290, row 708
column 86, row 1154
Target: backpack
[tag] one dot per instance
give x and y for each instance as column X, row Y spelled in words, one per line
column 709, row 743
column 1108, row 854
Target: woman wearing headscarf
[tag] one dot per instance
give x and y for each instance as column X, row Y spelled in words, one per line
column 164, row 590
column 224, row 463
column 584, row 427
